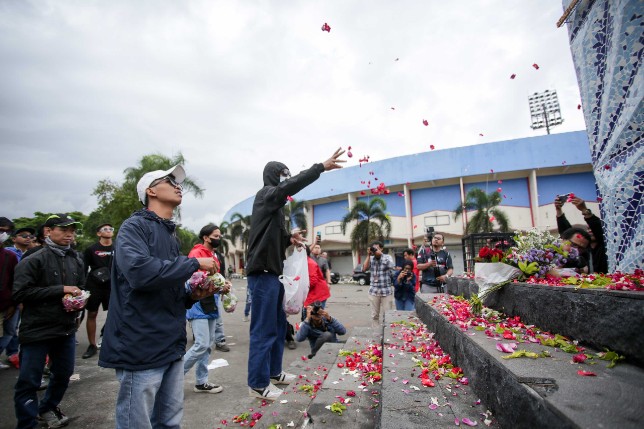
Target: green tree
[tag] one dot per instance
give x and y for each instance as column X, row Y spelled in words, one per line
column 295, row 215
column 226, row 239
column 373, row 223
column 240, row 230
column 485, row 206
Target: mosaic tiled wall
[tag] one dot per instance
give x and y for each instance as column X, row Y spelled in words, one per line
column 607, row 43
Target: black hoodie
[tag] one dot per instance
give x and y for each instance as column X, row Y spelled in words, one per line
column 268, row 237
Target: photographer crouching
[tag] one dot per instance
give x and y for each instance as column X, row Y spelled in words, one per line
column 435, row 262
column 405, row 287
column 319, row 328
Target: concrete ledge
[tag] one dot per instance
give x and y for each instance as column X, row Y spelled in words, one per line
column 544, row 392
column 599, row 318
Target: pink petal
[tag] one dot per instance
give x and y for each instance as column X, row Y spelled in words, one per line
column 431, row 146
column 405, row 382
column 506, row 347
column 468, row 422
column 457, row 422
column 586, row 373
column 433, row 406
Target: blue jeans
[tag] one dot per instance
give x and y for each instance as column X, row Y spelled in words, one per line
column 9, row 326
column 150, row 398
column 405, row 304
column 61, row 353
column 267, row 329
column 220, row 337
column 249, row 299
column 199, row 353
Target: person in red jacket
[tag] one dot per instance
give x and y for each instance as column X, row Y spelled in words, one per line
column 318, row 287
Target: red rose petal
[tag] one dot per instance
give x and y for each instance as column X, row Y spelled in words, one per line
column 498, row 190
column 536, row 66
column 599, row 199
column 425, row 122
column 492, row 218
column 579, row 107
column 512, row 76
column 499, row 182
column 579, row 358
column 326, row 28
column 480, row 134
column 586, row 373
column 431, row 146
column 607, row 167
column 349, row 154
column 289, row 198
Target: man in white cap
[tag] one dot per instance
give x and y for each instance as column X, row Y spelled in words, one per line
column 145, row 330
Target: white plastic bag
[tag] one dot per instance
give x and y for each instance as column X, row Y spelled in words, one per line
column 295, row 279
column 492, row 273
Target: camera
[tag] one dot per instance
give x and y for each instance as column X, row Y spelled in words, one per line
column 317, row 305
column 429, row 233
column 373, row 250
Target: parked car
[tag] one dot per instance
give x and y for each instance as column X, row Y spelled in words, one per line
column 335, row 277
column 362, row 277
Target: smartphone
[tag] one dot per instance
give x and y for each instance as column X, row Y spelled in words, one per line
column 563, row 198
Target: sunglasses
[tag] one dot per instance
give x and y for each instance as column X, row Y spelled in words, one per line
column 168, row 179
column 107, row 229
column 26, row 236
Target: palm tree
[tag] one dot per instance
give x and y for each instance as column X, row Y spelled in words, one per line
column 373, row 223
column 295, row 215
column 486, row 207
column 240, row 229
column 226, row 239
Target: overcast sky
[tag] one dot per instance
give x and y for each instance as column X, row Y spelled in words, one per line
column 89, row 87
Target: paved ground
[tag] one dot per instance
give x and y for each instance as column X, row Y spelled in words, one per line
column 89, row 402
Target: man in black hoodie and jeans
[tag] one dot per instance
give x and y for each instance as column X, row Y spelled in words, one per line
column 267, row 243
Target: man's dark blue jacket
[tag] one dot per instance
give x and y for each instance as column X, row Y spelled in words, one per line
column 146, row 323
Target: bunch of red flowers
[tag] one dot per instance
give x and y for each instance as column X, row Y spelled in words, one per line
column 487, row 254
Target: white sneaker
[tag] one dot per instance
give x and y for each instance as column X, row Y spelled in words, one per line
column 270, row 393
column 283, row 378
column 4, row 366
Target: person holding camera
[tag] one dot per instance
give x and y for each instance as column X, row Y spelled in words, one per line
column 405, row 287
column 598, row 257
column 319, row 328
column 380, row 290
column 435, row 263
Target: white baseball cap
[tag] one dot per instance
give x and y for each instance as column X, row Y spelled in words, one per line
column 177, row 172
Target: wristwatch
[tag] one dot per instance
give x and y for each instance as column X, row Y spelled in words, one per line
column 587, row 212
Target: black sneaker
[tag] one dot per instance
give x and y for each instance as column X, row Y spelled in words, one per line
column 291, row 345
column 222, row 347
column 54, row 418
column 207, row 388
column 91, row 351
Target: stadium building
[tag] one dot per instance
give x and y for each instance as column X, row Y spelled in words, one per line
column 426, row 188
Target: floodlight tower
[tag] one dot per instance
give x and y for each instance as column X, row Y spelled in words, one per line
column 544, row 110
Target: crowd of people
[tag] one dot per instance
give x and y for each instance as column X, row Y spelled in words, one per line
column 141, row 280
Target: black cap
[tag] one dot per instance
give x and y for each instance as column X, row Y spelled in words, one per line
column 61, row 219
column 98, row 228
column 29, row 230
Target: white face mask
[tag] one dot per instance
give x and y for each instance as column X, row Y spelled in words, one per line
column 283, row 178
column 4, row 236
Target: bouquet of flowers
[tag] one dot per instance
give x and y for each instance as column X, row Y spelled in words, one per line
column 75, row 303
column 229, row 302
column 201, row 280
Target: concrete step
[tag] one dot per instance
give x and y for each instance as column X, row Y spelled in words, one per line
column 543, row 392
column 405, row 401
column 306, row 411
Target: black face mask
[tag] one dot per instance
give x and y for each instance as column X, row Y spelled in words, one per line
column 215, row 242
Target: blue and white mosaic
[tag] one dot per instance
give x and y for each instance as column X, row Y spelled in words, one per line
column 607, row 44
